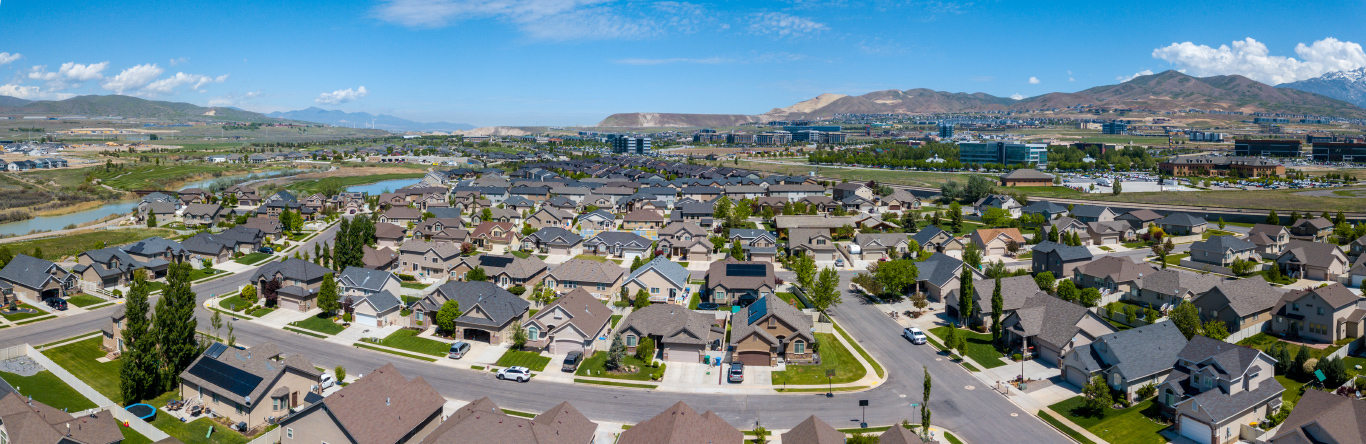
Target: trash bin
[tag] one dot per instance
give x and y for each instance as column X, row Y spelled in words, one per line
column 706, row 360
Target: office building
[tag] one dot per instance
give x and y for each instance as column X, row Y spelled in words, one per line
column 1203, row 136
column 1269, row 120
column 631, row 145
column 821, row 128
column 1114, row 128
column 1004, row 153
column 806, row 136
column 774, row 138
column 946, row 131
column 1267, row 147
column 1203, row 165
column 1339, row 152
column 740, row 139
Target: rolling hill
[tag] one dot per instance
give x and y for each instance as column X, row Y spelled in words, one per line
column 1165, row 91
column 362, row 120
column 129, row 107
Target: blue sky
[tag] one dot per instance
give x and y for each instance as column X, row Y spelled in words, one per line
column 566, row 62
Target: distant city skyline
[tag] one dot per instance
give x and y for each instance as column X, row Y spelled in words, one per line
column 573, row 62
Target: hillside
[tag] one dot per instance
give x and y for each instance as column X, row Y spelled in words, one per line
column 364, row 120
column 132, row 107
column 7, row 101
column 1348, row 86
column 1165, row 91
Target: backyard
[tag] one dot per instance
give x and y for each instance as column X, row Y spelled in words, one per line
column 596, row 366
column 1127, row 426
column 79, row 358
column 47, row 388
column 834, row 356
column 979, row 346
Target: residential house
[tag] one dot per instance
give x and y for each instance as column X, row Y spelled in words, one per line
column 1111, row 274
column 551, row 217
column 814, row 431
column 1128, row 359
column 682, row 240
column 489, row 312
column 1222, row 251
column 997, row 241
column 1313, row 260
column 600, row 220
column 814, row 242
column 601, row 278
column 878, row 246
column 270, row 227
column 679, row 334
column 1182, row 224
column 1140, row 219
column 401, row 216
column 482, row 421
column 940, row 275
column 758, row 244
column 427, row 260
column 112, row 267
column 1357, row 247
column 619, row 244
column 851, row 189
column 796, row 192
column 1093, row 213
column 1068, row 226
column 935, row 239
column 1216, row 389
column 253, row 385
column 681, row 424
column 1109, row 233
column 999, row 201
column 382, row 258
column 574, row 322
column 1321, row 417
column 1165, row 289
column 298, row 282
column 1059, row 259
column 1026, row 177
column 201, row 214
column 1311, row 229
column 665, row 281
column 156, row 248
column 1049, row 210
column 642, row 220
column 504, row 270
column 1325, row 314
column 1268, row 240
column 702, row 194
column 372, row 294
column 1240, row 303
column 1015, row 290
column 24, row 420
column 897, row 202
column 770, row 331
column 554, row 240
column 699, row 213
column 33, row 279
column 1047, row 327
column 383, row 407
column 824, row 222
column 495, row 236
column 391, row 236
column 734, row 282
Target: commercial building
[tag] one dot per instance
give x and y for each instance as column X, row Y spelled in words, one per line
column 1266, row 147
column 631, row 145
column 946, row 131
column 821, row 128
column 1269, row 120
column 1006, row 153
column 1339, row 152
column 1114, row 128
column 740, row 139
column 1221, row 166
column 774, row 138
column 1204, row 136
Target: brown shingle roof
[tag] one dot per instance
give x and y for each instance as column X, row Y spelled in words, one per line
column 586, row 313
column 383, row 406
column 813, row 431
column 483, row 422
column 681, row 424
column 591, row 271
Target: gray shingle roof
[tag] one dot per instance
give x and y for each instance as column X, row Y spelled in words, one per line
column 28, row 271
column 1142, row 351
column 1049, row 318
column 671, row 270
column 675, row 323
column 360, row 277
column 1249, row 295
column 1181, row 220
column 1065, row 252
column 939, row 269
column 1220, row 244
column 294, row 269
column 499, row 304
column 1171, row 282
column 1015, row 290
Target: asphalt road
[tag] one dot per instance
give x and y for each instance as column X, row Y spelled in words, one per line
column 976, row 414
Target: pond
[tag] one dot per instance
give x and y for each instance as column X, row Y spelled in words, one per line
column 379, row 187
column 50, row 223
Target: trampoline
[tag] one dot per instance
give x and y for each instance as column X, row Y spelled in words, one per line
column 144, row 411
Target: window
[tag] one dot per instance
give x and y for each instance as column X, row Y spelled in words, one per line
column 289, row 432
column 630, row 340
column 654, row 290
column 533, row 333
column 799, row 347
column 1320, row 311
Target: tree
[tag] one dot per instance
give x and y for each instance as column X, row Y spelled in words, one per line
column 737, row 251
column 248, row 293
column 895, row 276
column 139, row 374
column 636, row 263
column 642, row 299
column 232, row 336
column 1097, row 395
column 972, row 256
column 1301, row 357
column 1334, row 371
column 1215, row 329
column 739, row 213
column 925, row 403
column 956, row 217
column 760, row 433
column 965, row 296
column 1089, row 297
column 1162, row 250
column 328, row 299
column 477, row 274
column 1240, row 267
column 216, row 322
column 1130, row 316
column 721, row 208
column 953, row 340
column 446, row 316
column 645, row 349
column 1045, row 281
column 1115, row 190
column 151, row 219
column 1067, row 291
column 1187, row 319
column 826, row 292
column 1272, row 218
column 1283, row 358
column 997, row 306
column 519, row 337
column 38, row 252
column 176, row 325
column 5, row 256
column 1222, row 224
column 270, row 292
column 615, row 353
column 340, row 373
column 805, row 268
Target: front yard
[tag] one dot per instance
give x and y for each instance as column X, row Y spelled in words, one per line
column 979, row 346
column 834, row 356
column 516, row 358
column 84, row 300
column 319, row 324
column 252, row 259
column 23, row 316
column 1127, row 426
column 406, row 339
column 201, row 273
column 47, row 388
column 596, row 366
column 235, row 303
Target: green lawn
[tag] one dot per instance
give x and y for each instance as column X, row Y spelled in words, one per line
column 791, row 298
column 615, row 319
column 526, row 359
column 73, row 244
column 1127, row 426
column 201, row 273
column 1263, row 342
column 596, row 366
column 79, row 359
column 833, row 356
column 414, row 285
column 261, row 312
column 521, row 254
column 235, row 303
column 867, row 357
column 1293, row 389
column 1215, row 232
column 47, row 388
column 194, row 432
column 84, row 300
column 22, row 316
column 1175, row 259
column 252, row 258
column 320, row 325
column 979, row 346
column 1066, row 429
column 407, row 339
column 131, row 436
column 592, row 257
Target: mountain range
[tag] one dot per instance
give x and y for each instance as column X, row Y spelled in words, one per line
column 1164, row 91
column 1348, row 86
column 128, row 107
column 364, row 120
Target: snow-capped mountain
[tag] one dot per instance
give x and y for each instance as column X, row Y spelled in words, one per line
column 1347, row 86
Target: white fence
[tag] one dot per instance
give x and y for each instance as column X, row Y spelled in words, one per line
column 271, row 437
column 1248, row 332
column 1347, row 350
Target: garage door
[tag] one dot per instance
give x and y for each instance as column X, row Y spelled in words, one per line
column 366, row 320
column 684, row 355
column 1076, row 377
column 563, row 347
column 1109, row 241
column 1195, row 430
column 754, row 358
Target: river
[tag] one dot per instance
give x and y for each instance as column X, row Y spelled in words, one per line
column 377, row 188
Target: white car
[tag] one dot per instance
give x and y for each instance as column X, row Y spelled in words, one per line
column 914, row 335
column 519, row 374
column 327, row 381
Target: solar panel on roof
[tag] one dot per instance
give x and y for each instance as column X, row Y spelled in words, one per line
column 215, row 350
column 758, row 309
column 230, row 378
column 495, row 261
column 746, row 270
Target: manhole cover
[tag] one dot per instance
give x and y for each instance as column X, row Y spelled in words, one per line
column 970, row 388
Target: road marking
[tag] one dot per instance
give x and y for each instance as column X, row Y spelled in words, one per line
column 1014, row 415
column 970, row 388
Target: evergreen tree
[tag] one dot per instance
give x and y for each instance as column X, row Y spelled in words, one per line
column 139, row 373
column 615, row 353
column 328, row 299
column 1272, row 218
column 151, row 219
column 5, row 256
column 477, row 274
column 925, row 404
column 1053, row 235
column 38, row 252
column 997, row 306
column 1187, row 319
column 642, row 299
column 965, row 296
column 176, row 324
column 1300, row 357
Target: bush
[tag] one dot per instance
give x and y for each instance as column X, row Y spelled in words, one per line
column 1309, row 366
column 1017, row 357
column 117, row 293
column 407, row 277
column 346, row 317
column 1145, row 392
column 517, row 290
column 340, row 373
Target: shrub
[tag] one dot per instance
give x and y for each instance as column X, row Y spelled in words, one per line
column 517, row 290
column 1146, row 391
column 346, row 317
column 1017, row 357
column 407, row 277
column 118, row 293
column 340, row 373
column 1309, row 365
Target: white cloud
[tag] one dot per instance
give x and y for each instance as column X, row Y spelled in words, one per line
column 1017, row 96
column 1070, row 79
column 1253, row 59
column 674, row 60
column 341, row 96
column 40, row 72
column 31, row 93
column 1033, row 80
column 6, row 58
column 134, row 78
column 79, row 72
column 552, row 19
column 169, row 84
column 784, row 25
column 179, row 61
column 1146, row 72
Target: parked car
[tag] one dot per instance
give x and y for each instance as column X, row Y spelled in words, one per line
column 839, row 262
column 736, row 373
column 914, row 335
column 571, row 361
column 458, row 350
column 266, row 250
column 58, row 304
column 519, row 374
column 327, row 381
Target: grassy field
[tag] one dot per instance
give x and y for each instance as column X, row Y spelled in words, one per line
column 595, row 366
column 1263, row 342
column 407, row 340
column 73, row 244
column 84, row 300
column 79, row 359
column 320, row 325
column 166, row 176
column 530, row 360
column 979, row 347
column 235, row 303
column 1127, row 426
column 1068, row 430
column 833, row 356
column 47, row 388
column 195, row 432
column 201, row 273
